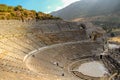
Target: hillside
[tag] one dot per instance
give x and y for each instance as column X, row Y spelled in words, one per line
column 88, row 8
column 19, row 13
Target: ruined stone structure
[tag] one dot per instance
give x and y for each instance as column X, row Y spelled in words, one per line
column 43, row 50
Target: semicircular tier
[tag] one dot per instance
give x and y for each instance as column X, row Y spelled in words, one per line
column 19, row 39
column 57, row 60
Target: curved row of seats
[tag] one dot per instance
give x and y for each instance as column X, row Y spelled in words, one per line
column 18, row 38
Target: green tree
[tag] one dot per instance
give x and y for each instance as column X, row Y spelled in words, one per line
column 3, row 8
column 10, row 9
column 18, row 8
column 112, row 34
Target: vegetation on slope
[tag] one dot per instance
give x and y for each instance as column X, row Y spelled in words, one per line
column 19, row 13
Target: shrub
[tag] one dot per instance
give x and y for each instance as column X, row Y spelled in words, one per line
column 9, row 12
column 18, row 8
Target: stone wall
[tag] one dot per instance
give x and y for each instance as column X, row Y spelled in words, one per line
column 13, row 28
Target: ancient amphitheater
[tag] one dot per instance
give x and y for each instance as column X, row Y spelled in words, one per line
column 49, row 50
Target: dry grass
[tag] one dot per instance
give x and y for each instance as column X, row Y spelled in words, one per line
column 115, row 39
